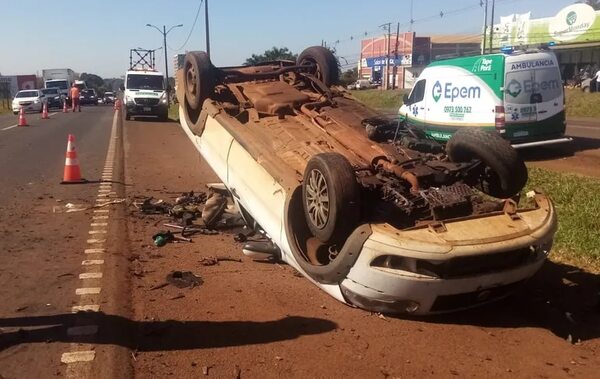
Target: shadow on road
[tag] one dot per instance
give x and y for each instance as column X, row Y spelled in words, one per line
column 158, row 335
column 560, row 298
column 544, row 153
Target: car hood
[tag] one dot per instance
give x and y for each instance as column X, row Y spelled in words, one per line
column 24, row 99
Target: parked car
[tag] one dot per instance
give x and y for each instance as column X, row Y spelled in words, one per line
column 88, row 96
column 374, row 212
column 31, row 100
column 109, row 98
column 53, row 96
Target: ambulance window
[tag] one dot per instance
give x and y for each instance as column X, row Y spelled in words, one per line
column 418, row 92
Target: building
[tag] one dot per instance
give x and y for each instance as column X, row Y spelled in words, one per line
column 408, row 55
column 573, row 33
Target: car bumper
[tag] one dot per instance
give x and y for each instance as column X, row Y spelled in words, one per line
column 392, row 289
column 28, row 108
column 150, row 110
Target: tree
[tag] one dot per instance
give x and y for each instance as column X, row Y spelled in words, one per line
column 592, row 3
column 273, row 54
column 92, row 80
column 349, row 76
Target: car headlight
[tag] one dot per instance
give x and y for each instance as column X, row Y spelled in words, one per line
column 36, row 101
column 163, row 98
column 56, row 97
column 129, row 100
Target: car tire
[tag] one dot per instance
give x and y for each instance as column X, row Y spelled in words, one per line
column 331, row 198
column 15, row 113
column 199, row 78
column 505, row 173
column 323, row 58
column 127, row 116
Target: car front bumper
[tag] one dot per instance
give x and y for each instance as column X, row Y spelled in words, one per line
column 32, row 107
column 149, row 110
column 481, row 274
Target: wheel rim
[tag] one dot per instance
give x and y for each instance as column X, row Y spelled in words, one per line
column 317, row 199
column 191, row 80
column 318, row 74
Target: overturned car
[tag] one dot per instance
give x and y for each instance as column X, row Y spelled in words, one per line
column 375, row 213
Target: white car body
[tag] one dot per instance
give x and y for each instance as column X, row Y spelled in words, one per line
column 30, row 100
column 144, row 94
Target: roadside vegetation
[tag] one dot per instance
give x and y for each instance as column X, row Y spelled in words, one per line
column 174, row 111
column 581, row 104
column 4, row 107
column 386, row 101
column 578, row 208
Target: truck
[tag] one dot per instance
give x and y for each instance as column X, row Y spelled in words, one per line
column 517, row 94
column 61, row 78
column 144, row 90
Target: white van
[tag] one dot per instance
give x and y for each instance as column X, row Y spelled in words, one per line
column 518, row 95
column 145, row 94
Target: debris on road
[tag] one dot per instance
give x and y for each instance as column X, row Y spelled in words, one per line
column 211, row 261
column 162, row 237
column 184, row 279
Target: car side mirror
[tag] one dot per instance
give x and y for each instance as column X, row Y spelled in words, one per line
column 405, row 98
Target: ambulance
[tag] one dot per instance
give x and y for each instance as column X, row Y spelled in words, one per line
column 517, row 94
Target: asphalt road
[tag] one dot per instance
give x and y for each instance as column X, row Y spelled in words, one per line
column 42, row 247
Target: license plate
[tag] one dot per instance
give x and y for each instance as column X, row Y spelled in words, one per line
column 147, row 109
column 521, row 133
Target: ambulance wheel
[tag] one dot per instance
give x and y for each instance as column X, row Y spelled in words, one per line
column 504, row 173
column 325, row 62
column 198, row 79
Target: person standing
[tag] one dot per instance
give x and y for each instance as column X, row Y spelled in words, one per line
column 75, row 98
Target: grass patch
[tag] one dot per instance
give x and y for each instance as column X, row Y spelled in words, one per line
column 389, row 101
column 5, row 107
column 174, row 112
column 581, row 104
column 577, row 202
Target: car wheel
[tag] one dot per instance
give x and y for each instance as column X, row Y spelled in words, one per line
column 15, row 113
column 127, row 116
column 325, row 62
column 198, row 78
column 504, row 174
column 331, row 198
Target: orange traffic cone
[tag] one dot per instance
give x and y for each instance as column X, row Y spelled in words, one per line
column 72, row 173
column 22, row 121
column 65, row 109
column 45, row 112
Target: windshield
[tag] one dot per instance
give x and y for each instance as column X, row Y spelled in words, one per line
column 50, row 91
column 27, row 94
column 137, row 81
column 108, row 94
column 89, row 92
column 533, row 86
column 62, row 84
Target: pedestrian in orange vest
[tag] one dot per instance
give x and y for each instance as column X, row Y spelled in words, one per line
column 75, row 98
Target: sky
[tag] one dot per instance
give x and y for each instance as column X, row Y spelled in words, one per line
column 95, row 36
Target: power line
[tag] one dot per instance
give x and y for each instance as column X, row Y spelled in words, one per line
column 191, row 30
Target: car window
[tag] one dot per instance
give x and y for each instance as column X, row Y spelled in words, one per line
column 27, row 94
column 418, row 92
column 141, row 81
column 522, row 87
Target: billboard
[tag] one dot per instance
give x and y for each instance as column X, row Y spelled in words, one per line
column 573, row 24
column 15, row 83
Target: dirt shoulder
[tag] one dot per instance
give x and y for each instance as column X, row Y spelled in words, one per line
column 262, row 320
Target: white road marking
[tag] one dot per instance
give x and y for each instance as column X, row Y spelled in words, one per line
column 10, row 127
column 88, row 291
column 90, row 262
column 98, row 224
column 78, row 356
column 85, row 308
column 99, row 217
column 90, row 275
column 84, row 330
column 94, row 251
column 52, row 114
column 94, row 240
column 102, row 190
column 97, row 232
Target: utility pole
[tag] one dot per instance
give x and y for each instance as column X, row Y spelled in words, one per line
column 395, row 69
column 164, row 32
column 484, row 27
column 386, row 79
column 492, row 25
column 207, row 34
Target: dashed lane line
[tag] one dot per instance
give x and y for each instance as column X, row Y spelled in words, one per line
column 88, row 291
column 91, row 262
column 10, row 127
column 95, row 251
column 85, row 308
column 78, row 356
column 93, row 224
column 97, row 232
column 94, row 241
column 101, row 211
column 90, row 275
